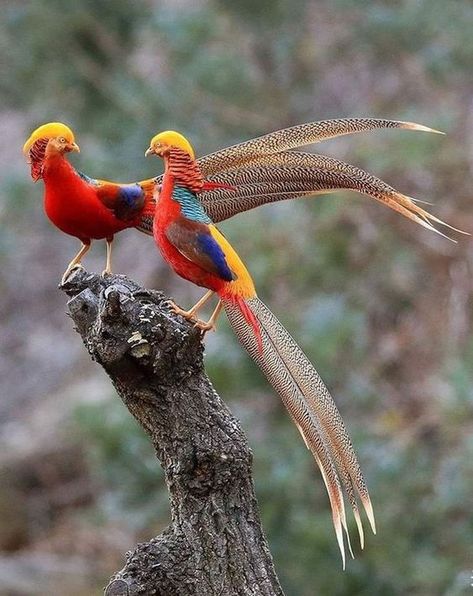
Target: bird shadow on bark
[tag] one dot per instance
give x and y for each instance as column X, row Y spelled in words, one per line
column 215, row 543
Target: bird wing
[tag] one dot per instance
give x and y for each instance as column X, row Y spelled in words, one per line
column 126, row 201
column 198, row 243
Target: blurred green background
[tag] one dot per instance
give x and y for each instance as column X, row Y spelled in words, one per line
column 382, row 307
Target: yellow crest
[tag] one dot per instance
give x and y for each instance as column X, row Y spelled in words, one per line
column 171, row 138
column 49, row 131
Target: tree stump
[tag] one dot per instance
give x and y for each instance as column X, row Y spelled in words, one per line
column 215, row 543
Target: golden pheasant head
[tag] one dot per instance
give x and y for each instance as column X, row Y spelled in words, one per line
column 59, row 136
column 161, row 143
column 53, row 138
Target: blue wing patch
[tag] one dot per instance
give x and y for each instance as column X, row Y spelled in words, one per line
column 210, row 247
column 195, row 242
column 131, row 194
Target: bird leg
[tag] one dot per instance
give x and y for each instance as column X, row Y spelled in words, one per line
column 108, row 265
column 189, row 314
column 210, row 324
column 76, row 261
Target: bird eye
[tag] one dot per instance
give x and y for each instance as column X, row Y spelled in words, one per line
column 62, row 140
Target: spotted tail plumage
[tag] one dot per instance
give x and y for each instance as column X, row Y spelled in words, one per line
column 311, row 407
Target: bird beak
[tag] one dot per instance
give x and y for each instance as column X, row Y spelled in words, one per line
column 73, row 147
column 149, row 151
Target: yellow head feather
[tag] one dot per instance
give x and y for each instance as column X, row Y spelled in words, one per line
column 171, row 138
column 49, row 131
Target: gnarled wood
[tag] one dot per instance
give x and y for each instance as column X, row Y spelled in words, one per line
column 215, row 544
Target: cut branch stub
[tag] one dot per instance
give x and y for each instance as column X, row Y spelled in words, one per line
column 214, row 544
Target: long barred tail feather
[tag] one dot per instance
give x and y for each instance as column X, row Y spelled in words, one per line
column 261, row 184
column 295, row 136
column 267, row 169
column 146, row 225
column 151, row 187
column 311, row 408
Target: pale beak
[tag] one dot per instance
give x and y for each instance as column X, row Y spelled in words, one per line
column 149, row 151
column 73, row 147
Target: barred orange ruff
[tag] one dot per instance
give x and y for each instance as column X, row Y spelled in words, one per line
column 36, row 158
column 185, row 170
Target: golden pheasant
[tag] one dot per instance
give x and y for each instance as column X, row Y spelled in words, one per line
column 197, row 251
column 78, row 205
column 260, row 171
column 268, row 169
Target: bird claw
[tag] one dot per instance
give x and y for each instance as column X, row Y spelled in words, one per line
column 68, row 272
column 204, row 326
column 187, row 314
column 106, row 272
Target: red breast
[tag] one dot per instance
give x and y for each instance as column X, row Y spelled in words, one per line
column 167, row 211
column 73, row 206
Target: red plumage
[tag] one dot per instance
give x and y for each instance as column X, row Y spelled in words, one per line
column 193, row 246
column 85, row 208
column 168, row 212
column 74, row 206
column 80, row 206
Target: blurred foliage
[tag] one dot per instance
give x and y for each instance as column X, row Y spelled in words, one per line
column 382, row 308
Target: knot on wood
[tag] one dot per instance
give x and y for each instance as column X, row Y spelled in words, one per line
column 83, row 309
column 117, row 587
column 112, row 309
column 202, row 469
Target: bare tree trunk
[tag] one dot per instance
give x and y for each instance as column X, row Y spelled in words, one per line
column 215, row 544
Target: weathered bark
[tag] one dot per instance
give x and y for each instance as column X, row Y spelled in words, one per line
column 215, row 544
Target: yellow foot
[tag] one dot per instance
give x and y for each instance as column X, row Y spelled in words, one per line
column 106, row 272
column 68, row 271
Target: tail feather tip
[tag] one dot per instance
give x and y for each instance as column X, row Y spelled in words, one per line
column 337, row 523
column 359, row 525
column 370, row 514
column 422, row 128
